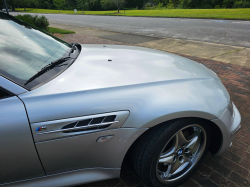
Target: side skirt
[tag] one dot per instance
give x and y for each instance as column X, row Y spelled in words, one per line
column 69, row 178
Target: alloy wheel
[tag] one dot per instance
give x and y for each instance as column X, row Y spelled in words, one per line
column 181, row 153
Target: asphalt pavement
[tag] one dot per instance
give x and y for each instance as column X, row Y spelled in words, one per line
column 229, row 32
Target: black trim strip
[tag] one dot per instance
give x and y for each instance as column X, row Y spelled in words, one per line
column 32, row 135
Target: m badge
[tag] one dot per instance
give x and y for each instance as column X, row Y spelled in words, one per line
column 41, row 128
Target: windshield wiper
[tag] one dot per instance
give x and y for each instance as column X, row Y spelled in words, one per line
column 47, row 68
column 73, row 47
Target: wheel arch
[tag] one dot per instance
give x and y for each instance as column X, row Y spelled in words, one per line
column 214, row 147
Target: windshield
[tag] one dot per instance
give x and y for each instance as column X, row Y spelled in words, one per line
column 25, row 50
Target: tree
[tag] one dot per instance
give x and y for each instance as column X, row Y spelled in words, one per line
column 59, row 3
column 141, row 3
column 35, row 3
column 22, row 3
column 81, row 4
column 48, row 4
column 25, row 3
column 107, row 5
column 86, row 4
column 12, row 4
column 94, row 5
column 228, row 3
column 119, row 4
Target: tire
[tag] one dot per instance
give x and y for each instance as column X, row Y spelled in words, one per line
column 162, row 157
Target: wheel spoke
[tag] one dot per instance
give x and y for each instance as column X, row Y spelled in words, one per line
column 186, row 159
column 168, row 159
column 175, row 166
column 194, row 143
column 171, row 150
column 181, row 140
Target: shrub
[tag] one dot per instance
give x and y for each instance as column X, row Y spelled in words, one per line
column 241, row 4
column 40, row 22
column 247, row 4
column 238, row 4
column 26, row 18
column 217, row 7
column 160, row 5
column 170, row 6
column 180, row 6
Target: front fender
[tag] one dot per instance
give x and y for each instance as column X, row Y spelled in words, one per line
column 201, row 98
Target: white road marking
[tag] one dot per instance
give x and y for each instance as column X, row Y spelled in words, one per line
column 242, row 22
column 218, row 21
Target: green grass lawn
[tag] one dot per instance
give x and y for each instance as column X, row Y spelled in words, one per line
column 183, row 13
column 60, row 31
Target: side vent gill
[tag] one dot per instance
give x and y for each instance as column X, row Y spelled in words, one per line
column 90, row 124
column 80, row 125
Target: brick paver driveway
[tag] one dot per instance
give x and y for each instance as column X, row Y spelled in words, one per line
column 230, row 169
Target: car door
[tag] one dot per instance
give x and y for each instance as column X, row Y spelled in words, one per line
column 18, row 157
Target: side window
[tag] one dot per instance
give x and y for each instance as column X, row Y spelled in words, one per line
column 4, row 93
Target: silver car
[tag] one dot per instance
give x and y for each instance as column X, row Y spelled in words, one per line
column 71, row 113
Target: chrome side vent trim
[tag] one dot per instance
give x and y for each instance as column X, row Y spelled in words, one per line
column 97, row 120
column 96, row 126
column 89, row 124
column 71, row 125
column 62, row 128
column 109, row 118
column 83, row 123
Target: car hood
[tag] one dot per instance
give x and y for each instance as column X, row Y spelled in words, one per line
column 105, row 66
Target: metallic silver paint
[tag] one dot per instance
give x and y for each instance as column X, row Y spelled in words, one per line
column 129, row 66
column 70, row 178
column 234, row 132
column 12, row 87
column 18, row 157
column 228, row 124
column 83, row 151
